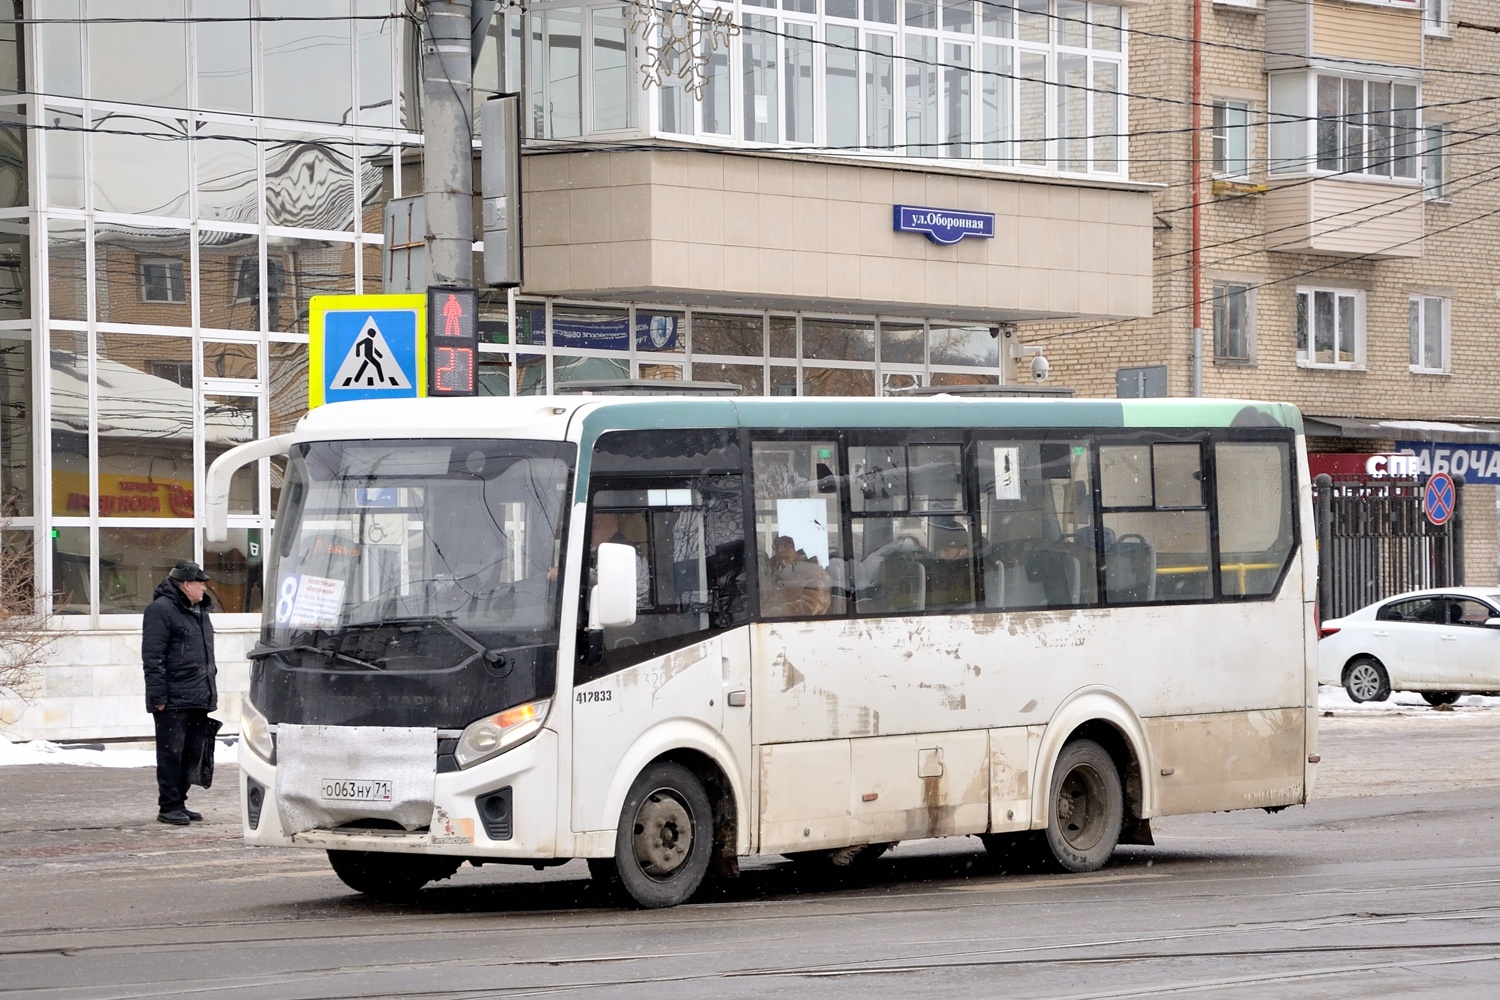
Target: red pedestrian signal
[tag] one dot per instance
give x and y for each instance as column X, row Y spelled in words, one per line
column 452, row 342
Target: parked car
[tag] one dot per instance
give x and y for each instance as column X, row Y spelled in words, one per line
column 1439, row 643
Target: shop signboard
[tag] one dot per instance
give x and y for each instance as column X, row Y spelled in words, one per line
column 1479, row 464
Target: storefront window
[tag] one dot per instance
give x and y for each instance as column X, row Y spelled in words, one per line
column 230, row 421
column 132, row 561
column 297, row 268
column 660, row 333
column 838, row 382
column 15, row 269
column 16, row 414
column 901, row 343
column 223, row 54
column 735, row 336
column 968, row 346
column 69, row 397
column 309, row 182
column 227, row 183
column 143, row 164
column 750, row 378
column 14, row 184
column 236, row 565
column 64, row 140
column 307, row 64
column 836, row 340
column 72, row 583
column 62, row 46
column 143, row 275
column 228, row 280
column 138, row 52
column 144, row 389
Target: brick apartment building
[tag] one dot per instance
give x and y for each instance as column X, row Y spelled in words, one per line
column 1349, row 217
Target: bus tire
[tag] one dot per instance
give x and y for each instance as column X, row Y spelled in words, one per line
column 1087, row 808
column 1365, row 679
column 390, row 878
column 664, row 844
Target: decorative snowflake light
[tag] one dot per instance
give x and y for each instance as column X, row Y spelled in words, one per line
column 679, row 37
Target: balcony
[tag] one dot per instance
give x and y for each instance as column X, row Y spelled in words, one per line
column 1340, row 216
column 1385, row 32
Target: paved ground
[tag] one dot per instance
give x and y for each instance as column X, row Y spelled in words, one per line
column 1384, row 886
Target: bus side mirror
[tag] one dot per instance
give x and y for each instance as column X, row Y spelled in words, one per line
column 612, row 601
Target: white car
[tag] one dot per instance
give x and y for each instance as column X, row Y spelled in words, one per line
column 1440, row 643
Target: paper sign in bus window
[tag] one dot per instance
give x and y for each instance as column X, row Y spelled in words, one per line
column 304, row 601
column 1007, row 472
column 806, row 521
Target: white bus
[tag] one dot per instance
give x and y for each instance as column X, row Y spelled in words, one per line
column 663, row 634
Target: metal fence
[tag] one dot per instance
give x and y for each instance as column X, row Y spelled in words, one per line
column 1374, row 541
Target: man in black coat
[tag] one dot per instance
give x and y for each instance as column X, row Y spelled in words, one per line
column 177, row 654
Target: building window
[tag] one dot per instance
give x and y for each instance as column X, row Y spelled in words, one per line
column 161, row 280
column 1367, row 126
column 178, row 372
column 1330, row 327
column 1435, row 17
column 1040, row 83
column 1234, row 338
column 1428, row 320
column 1435, row 162
column 1231, row 139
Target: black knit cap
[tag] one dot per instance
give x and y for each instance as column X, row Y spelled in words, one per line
column 188, row 571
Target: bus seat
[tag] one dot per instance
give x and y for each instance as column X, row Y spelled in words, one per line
column 1055, row 572
column 902, row 583
column 1130, row 569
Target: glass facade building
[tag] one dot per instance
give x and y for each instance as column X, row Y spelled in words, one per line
column 179, row 177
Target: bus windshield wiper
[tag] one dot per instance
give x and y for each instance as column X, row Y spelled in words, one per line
column 411, row 623
column 260, row 652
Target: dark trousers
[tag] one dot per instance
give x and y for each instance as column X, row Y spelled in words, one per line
column 180, row 734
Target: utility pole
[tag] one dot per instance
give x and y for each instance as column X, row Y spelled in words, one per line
column 447, row 156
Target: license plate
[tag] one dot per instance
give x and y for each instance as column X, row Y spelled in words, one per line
column 356, row 790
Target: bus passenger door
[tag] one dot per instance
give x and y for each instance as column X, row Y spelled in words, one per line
column 668, row 680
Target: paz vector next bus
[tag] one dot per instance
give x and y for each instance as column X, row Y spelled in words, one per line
column 663, row 634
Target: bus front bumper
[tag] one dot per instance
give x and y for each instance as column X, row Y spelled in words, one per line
column 504, row 807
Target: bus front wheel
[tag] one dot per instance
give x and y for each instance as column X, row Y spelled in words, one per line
column 664, row 843
column 390, row 878
column 1087, row 808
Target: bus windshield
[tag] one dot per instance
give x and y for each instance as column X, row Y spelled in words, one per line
column 453, row 539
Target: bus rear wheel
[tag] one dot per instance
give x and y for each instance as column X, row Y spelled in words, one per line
column 664, row 844
column 390, row 878
column 1087, row 808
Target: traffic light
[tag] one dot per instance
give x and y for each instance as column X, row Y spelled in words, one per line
column 452, row 341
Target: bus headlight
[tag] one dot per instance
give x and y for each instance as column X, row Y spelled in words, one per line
column 501, row 731
column 255, row 730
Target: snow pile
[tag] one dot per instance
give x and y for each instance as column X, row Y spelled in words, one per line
column 105, row 755
column 1336, row 699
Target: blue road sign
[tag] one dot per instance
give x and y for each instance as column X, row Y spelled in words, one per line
column 1438, row 498
column 366, row 347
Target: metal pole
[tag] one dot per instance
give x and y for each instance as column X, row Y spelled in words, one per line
column 447, row 156
column 1323, row 508
column 1457, row 540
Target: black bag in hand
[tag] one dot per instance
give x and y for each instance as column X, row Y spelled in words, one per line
column 199, row 762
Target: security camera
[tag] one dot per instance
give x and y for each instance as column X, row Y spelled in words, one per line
column 1039, row 368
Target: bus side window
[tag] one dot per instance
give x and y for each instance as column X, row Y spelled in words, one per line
column 1036, row 504
column 690, row 564
column 797, row 531
column 1253, row 491
column 1155, row 520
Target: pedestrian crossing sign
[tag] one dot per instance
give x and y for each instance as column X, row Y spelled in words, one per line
column 366, row 347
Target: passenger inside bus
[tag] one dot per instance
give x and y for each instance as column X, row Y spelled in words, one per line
column 792, row 583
